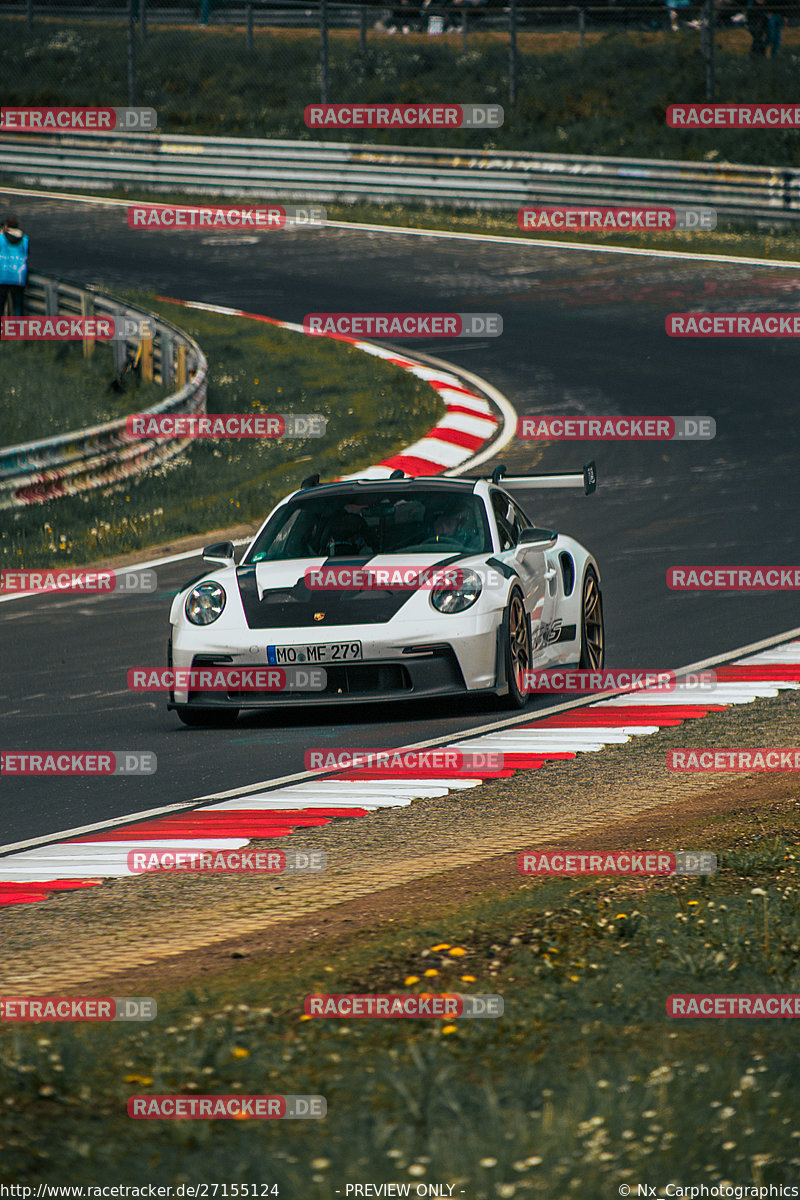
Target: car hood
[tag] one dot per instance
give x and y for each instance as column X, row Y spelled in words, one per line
column 276, row 595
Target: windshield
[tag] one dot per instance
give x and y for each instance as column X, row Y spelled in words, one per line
column 358, row 524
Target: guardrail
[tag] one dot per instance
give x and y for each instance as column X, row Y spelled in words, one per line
column 335, row 171
column 70, row 463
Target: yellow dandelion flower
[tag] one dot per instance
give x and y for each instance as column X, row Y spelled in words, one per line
column 441, row 946
column 240, row 1052
column 693, row 902
column 620, row 916
column 468, row 979
column 429, row 973
column 575, row 978
column 449, row 1029
column 457, row 952
column 306, row 1017
column 144, row 1080
column 409, row 979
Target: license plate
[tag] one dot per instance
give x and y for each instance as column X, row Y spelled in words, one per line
column 322, row 652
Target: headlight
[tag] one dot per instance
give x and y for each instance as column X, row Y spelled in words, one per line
column 457, row 596
column 205, row 603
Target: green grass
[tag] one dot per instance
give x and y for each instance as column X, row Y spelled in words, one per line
column 51, row 389
column 373, row 409
column 582, row 1084
column 611, row 99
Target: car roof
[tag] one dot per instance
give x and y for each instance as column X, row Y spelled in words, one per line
column 415, row 484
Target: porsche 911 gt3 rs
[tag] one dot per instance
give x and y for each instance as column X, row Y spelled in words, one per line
column 402, row 588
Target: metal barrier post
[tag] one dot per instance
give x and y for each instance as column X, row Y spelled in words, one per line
column 249, row 34
column 29, row 15
column 512, row 53
column 362, row 28
column 50, row 298
column 464, row 31
column 87, row 310
column 582, row 25
column 147, row 354
column 323, row 52
column 707, row 41
column 205, row 11
column 132, row 53
column 120, row 351
column 181, row 380
column 167, row 358
column 143, row 21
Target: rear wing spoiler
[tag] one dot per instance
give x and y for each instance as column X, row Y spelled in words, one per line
column 587, row 479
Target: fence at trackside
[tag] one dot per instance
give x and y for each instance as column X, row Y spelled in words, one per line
column 71, row 463
column 337, row 171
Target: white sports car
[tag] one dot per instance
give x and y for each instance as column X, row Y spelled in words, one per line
column 326, row 581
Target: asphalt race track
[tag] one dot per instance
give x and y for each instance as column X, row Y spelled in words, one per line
column 584, row 334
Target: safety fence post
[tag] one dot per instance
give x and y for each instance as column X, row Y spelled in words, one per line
column 323, row 52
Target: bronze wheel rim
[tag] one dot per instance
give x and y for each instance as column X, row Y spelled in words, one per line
column 593, row 636
column 518, row 640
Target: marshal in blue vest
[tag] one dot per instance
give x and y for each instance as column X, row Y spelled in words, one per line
column 14, row 260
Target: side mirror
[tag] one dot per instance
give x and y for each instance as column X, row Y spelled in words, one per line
column 533, row 538
column 221, row 552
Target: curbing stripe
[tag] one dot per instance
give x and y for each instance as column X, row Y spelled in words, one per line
column 33, row 875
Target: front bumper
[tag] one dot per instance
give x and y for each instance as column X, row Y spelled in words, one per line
column 409, row 666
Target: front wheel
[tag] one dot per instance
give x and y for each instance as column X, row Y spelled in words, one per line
column 211, row 718
column 517, row 651
column 593, row 639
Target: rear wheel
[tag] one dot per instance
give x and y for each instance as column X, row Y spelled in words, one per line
column 517, row 650
column 211, row 718
column 593, row 639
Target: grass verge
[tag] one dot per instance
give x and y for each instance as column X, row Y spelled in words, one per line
column 373, row 409
column 582, row 1085
column 610, row 99
column 51, row 388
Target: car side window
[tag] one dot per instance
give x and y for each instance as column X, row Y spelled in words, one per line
column 506, row 525
column 521, row 520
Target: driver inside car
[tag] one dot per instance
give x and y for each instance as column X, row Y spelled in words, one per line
column 456, row 524
column 346, row 533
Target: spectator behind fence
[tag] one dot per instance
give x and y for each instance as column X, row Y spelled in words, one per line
column 774, row 26
column 14, row 246
column 757, row 25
